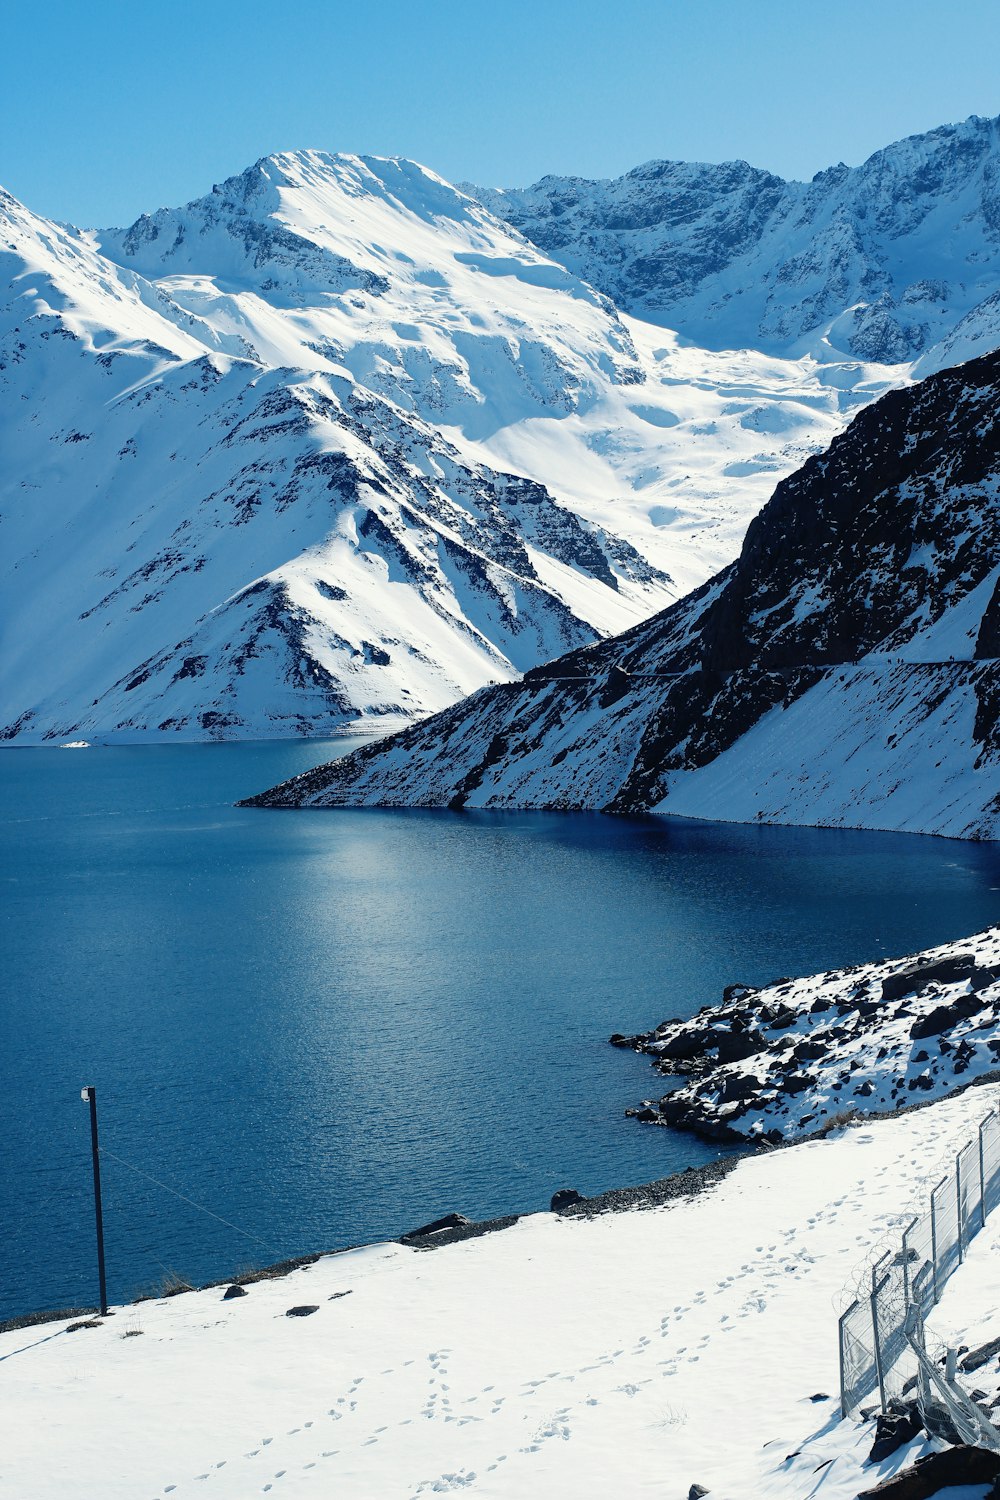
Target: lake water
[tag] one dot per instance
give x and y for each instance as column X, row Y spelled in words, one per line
column 329, row 1027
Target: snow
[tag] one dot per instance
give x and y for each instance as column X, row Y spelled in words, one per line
column 868, row 1040
column 888, row 746
column 881, row 260
column 180, row 385
column 563, row 1356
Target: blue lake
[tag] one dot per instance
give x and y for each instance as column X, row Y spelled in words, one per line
column 329, row 1027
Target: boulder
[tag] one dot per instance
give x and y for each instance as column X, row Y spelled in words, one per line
column 564, row 1198
column 961, row 1465
column 943, row 1017
column 303, row 1310
column 917, row 976
column 233, row 1291
column 734, row 1046
column 895, row 1427
column 738, row 1086
column 976, row 1358
column 436, row 1226
column 737, row 992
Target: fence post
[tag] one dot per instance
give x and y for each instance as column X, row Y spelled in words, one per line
column 958, row 1205
column 906, row 1260
column 934, row 1244
column 877, row 1338
column 843, row 1362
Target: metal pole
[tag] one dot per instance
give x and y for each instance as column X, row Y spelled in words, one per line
column 90, row 1094
column 958, row 1206
column 880, row 1372
column 843, row 1362
column 906, row 1262
column 934, row 1244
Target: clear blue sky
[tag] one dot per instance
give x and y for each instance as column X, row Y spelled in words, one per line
column 112, row 107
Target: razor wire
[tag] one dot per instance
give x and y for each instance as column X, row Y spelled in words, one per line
column 884, row 1349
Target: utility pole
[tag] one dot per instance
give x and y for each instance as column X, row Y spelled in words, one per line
column 89, row 1095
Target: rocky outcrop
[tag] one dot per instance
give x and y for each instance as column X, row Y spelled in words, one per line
column 767, row 1065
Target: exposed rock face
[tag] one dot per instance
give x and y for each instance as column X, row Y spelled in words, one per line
column 733, row 255
column 858, row 625
column 779, row 1062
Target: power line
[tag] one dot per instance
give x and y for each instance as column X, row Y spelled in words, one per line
column 184, row 1199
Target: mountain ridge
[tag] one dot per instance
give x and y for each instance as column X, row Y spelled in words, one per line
column 370, row 448
column 857, row 628
column 728, row 252
column 336, row 516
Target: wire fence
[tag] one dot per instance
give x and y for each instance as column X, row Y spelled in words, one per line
column 884, row 1348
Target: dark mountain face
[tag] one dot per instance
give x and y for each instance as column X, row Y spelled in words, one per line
column 866, row 591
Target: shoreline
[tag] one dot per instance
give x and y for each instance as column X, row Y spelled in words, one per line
column 687, row 1183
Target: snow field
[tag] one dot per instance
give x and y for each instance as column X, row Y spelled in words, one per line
column 630, row 1354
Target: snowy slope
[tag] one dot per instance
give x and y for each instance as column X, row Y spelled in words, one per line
column 843, row 671
column 565, row 1356
column 791, row 1057
column 332, row 447
column 879, row 261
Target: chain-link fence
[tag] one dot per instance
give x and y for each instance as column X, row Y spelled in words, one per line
column 883, row 1348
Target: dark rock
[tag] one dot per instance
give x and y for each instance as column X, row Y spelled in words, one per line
column 819, row 1396
column 738, row 1086
column 797, row 1083
column 448, row 1221
column 696, row 1491
column 893, row 1428
column 302, row 1310
column 942, row 1017
column 84, row 1323
column 976, row 1358
column 914, row 977
column 937, row 1471
column 233, row 1291
column 737, row 992
column 809, row 1051
column 734, row 1046
column 563, row 1199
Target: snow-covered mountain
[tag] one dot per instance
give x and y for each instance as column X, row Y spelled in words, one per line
column 332, row 446
column 880, row 261
column 845, row 670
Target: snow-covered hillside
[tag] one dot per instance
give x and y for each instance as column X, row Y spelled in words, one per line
column 333, row 447
column 843, row 671
column 879, row 261
column 565, row 1356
